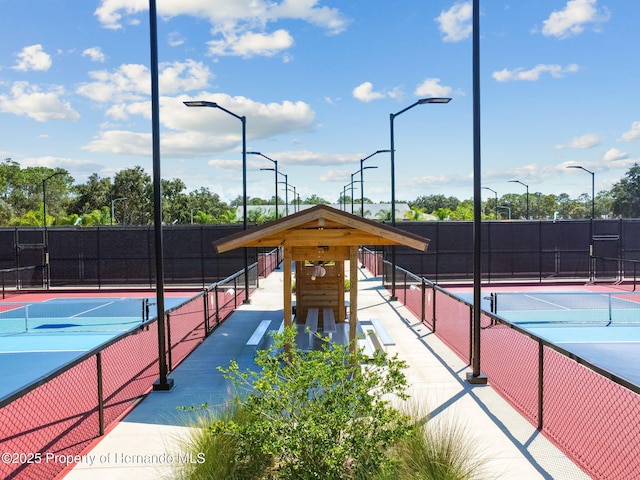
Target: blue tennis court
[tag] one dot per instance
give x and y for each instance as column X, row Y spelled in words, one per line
column 36, row 338
column 600, row 327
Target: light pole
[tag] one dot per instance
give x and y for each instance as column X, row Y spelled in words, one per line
column 527, row 186
column 294, row 197
column 113, row 201
column 275, row 162
column 286, row 192
column 392, row 117
column 362, row 179
column 496, row 194
column 163, row 383
column 593, row 186
column 593, row 212
column 243, row 120
column 44, row 222
column 192, row 210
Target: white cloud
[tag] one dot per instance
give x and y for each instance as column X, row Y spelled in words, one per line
column 589, row 140
column 250, row 44
column 572, row 19
column 240, row 24
column 632, row 134
column 431, row 88
column 201, row 131
column 614, row 154
column 130, row 82
column 121, row 142
column 519, row 74
column 365, row 93
column 455, row 23
column 69, row 164
column 33, row 57
column 95, row 54
column 176, row 39
column 29, row 100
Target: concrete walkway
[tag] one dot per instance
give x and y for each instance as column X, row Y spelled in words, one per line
column 145, row 444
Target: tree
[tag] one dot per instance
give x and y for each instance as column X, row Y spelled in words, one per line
column 315, row 200
column 204, row 200
column 415, row 214
column 175, row 204
column 626, row 194
column 136, row 186
column 431, row 203
column 92, row 195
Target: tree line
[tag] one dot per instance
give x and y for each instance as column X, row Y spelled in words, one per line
column 28, row 194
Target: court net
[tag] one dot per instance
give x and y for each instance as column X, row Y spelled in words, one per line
column 597, row 308
column 73, row 315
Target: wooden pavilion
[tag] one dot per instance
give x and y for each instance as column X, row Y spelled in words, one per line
column 320, row 239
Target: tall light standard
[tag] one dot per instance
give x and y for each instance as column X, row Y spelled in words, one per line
column 44, row 222
column 593, row 187
column 527, row 187
column 243, row 120
column 191, row 211
column 293, row 189
column 163, row 383
column 392, row 117
column 362, row 179
column 113, row 201
column 275, row 163
column 593, row 213
column 286, row 192
column 496, row 194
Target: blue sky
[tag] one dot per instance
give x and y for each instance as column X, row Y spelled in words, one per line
column 317, row 80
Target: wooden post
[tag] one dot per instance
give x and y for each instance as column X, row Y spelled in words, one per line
column 288, row 310
column 353, row 296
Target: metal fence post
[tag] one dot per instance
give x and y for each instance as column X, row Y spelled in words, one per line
column 100, row 393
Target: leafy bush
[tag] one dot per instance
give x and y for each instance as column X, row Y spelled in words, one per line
column 322, row 414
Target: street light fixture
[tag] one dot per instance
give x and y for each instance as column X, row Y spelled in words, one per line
column 113, row 201
column 496, row 194
column 243, row 120
column 193, row 210
column 392, row 117
column 593, row 184
column 593, row 211
column 527, row 186
column 362, row 179
column 275, row 162
column 44, row 221
column 286, row 192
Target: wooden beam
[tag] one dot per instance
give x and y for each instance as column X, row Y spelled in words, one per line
column 320, row 255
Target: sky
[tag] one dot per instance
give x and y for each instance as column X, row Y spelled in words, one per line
column 317, row 81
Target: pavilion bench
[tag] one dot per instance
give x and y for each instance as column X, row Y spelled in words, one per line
column 383, row 335
column 311, row 323
column 328, row 321
column 259, row 332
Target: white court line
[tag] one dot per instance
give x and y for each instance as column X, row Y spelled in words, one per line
column 548, row 303
column 92, row 309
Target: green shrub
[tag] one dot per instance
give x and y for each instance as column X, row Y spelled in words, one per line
column 324, row 414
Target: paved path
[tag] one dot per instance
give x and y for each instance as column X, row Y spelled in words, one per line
column 143, row 445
